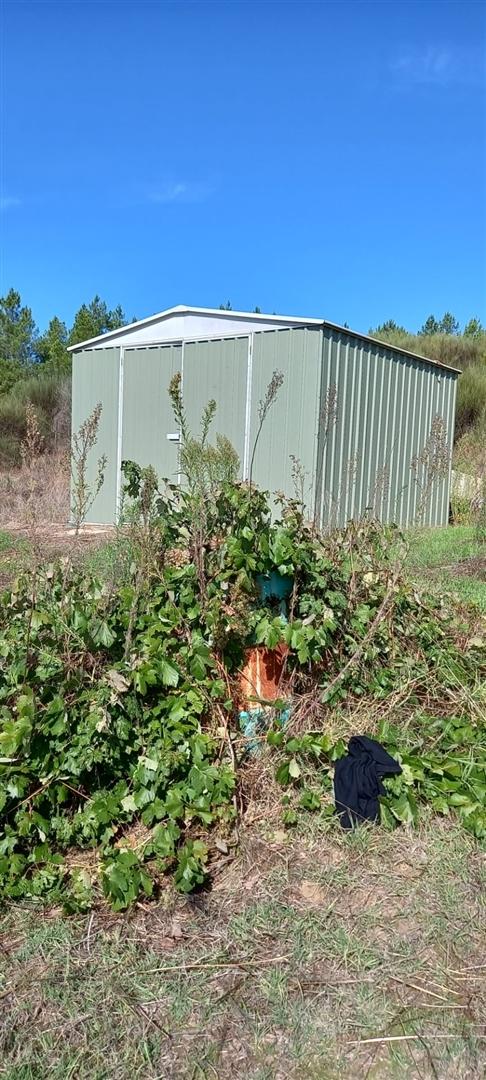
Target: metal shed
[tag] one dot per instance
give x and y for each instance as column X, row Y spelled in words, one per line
column 354, row 411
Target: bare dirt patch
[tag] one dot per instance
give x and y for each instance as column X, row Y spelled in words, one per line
column 474, row 567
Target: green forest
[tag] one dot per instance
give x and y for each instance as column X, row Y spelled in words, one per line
column 36, row 367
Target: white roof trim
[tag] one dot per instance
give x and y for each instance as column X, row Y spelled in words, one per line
column 282, row 320
column 182, row 310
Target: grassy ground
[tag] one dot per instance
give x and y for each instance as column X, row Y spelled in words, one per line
column 315, row 955
column 12, row 551
column 453, row 558
column 322, row 956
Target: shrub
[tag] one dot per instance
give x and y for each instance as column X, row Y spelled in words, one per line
column 50, row 396
column 470, row 450
column 471, row 399
column 11, row 372
column 96, row 741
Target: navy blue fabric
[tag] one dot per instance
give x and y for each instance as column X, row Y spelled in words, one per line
column 358, row 780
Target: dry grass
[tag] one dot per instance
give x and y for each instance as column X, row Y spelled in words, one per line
column 305, row 949
column 50, row 479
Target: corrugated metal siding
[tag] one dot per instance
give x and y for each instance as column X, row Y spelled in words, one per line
column 147, row 411
column 217, row 370
column 95, row 379
column 385, row 405
column 292, row 424
column 359, row 458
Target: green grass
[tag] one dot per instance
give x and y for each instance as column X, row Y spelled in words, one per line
column 449, row 558
column 259, row 978
column 12, row 555
column 6, row 542
column 437, row 547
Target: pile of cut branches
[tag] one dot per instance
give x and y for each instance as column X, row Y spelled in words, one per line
column 119, row 727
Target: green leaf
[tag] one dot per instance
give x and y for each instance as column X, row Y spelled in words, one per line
column 309, row 800
column 458, row 799
column 282, row 774
column 404, row 809
column 386, row 817
column 275, row 738
column 129, row 804
column 168, row 673
column 101, row 633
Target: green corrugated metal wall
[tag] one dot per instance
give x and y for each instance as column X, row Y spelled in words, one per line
column 147, row 411
column 385, row 403
column 355, row 455
column 292, row 423
column 218, row 370
column 96, row 379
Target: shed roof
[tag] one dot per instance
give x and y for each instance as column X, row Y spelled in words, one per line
column 181, row 309
column 279, row 320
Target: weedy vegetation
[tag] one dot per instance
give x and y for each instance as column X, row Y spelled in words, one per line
column 258, row 938
column 119, row 720
column 84, row 492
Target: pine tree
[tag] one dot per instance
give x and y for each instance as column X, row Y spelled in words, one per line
column 94, row 319
column 388, row 327
column 18, row 332
column 448, row 324
column 431, row 326
column 52, row 346
column 473, row 329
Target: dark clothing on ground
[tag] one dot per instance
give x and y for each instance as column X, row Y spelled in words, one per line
column 358, row 780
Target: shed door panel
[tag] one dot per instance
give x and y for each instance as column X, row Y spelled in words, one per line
column 217, row 370
column 95, row 380
column 147, row 411
column 291, row 426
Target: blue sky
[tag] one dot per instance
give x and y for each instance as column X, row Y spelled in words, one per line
column 321, row 159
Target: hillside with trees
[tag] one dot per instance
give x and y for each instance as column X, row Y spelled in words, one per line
column 36, row 367
column 444, row 340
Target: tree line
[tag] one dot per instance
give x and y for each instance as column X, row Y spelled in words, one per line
column 22, row 345
column 448, row 324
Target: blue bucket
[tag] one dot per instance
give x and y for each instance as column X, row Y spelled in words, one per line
column 274, row 586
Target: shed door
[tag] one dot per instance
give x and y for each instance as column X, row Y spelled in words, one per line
column 147, row 411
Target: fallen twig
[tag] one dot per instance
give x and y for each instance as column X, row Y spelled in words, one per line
column 409, row 1038
column 182, row 968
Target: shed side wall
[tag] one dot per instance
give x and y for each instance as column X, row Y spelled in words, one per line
column 95, row 379
column 377, row 409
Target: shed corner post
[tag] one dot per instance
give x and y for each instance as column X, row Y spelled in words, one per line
column 179, row 462
column 317, row 509
column 249, row 384
column 452, row 403
column 119, row 441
